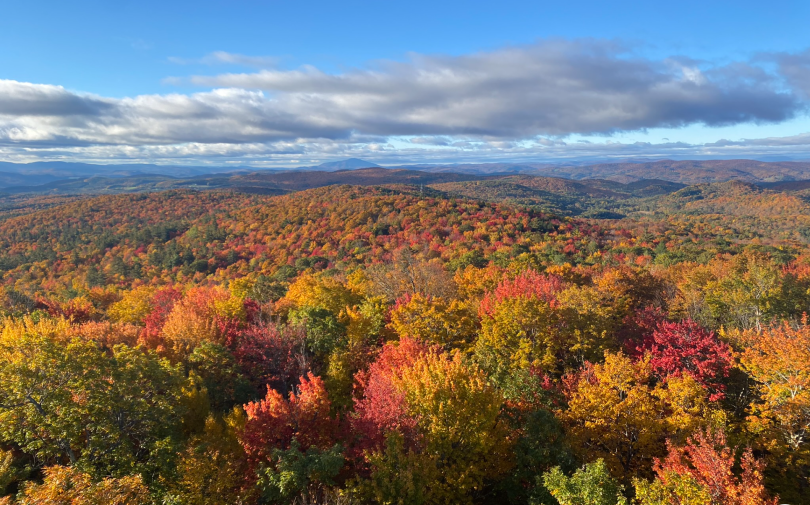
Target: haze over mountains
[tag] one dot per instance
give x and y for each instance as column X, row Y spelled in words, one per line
column 78, row 178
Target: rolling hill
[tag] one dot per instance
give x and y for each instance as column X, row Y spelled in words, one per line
column 78, row 178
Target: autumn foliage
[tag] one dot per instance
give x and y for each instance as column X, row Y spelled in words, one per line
column 703, row 471
column 382, row 345
column 687, row 348
column 275, row 421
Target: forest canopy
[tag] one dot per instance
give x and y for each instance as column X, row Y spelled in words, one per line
column 391, row 345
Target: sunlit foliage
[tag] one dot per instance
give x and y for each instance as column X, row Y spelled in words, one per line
column 386, row 346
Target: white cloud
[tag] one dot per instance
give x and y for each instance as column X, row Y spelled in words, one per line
column 290, row 153
column 549, row 88
column 20, row 99
column 516, row 103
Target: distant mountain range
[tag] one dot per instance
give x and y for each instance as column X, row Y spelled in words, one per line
column 740, row 188
column 60, row 169
column 78, row 178
column 686, row 171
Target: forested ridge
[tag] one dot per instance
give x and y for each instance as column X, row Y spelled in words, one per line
column 472, row 342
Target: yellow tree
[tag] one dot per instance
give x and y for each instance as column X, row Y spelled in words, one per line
column 617, row 413
column 319, row 291
column 68, row 486
column 213, row 469
column 589, row 318
column 459, row 414
column 435, row 425
column 435, row 320
column 133, row 306
column 519, row 324
column 474, row 282
column 779, row 359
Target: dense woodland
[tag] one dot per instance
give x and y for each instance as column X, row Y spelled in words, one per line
column 470, row 342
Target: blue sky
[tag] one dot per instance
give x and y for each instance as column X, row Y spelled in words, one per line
column 282, row 83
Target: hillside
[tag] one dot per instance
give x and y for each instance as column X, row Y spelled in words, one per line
column 696, row 172
column 255, row 182
column 317, row 327
column 450, row 219
column 598, row 180
column 184, row 233
column 684, row 172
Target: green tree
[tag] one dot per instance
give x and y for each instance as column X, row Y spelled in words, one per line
column 71, row 402
column 295, row 471
column 221, row 376
column 590, row 485
column 324, row 332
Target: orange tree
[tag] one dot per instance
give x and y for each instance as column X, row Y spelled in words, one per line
column 778, row 358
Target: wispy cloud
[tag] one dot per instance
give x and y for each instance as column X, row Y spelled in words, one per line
column 225, row 58
column 140, row 45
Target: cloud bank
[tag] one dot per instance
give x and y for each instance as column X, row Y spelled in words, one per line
column 517, row 101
